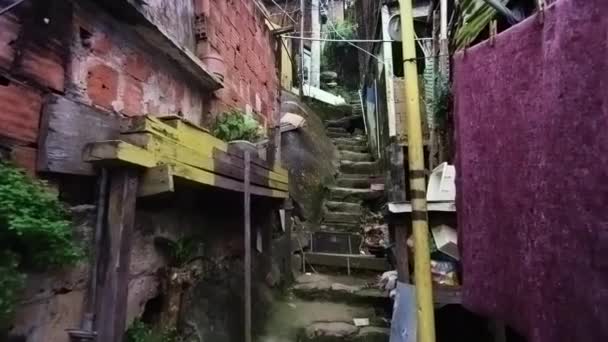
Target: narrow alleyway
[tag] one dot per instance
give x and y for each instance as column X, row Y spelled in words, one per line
column 336, row 298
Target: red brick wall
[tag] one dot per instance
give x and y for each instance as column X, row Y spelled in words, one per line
column 236, row 30
column 110, row 70
column 91, row 57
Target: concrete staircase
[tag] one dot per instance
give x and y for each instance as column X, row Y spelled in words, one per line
column 322, row 308
column 337, row 242
column 339, row 288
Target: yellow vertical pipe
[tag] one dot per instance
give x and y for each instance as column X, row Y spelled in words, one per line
column 422, row 260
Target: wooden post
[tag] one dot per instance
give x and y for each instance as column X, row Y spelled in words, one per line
column 247, row 242
column 420, row 227
column 288, row 208
column 115, row 255
column 302, row 7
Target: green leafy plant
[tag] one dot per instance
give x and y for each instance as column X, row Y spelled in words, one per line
column 475, row 16
column 34, row 233
column 340, row 56
column 141, row 332
column 236, row 125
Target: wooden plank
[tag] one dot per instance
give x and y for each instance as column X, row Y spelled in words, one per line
column 401, row 252
column 247, row 247
column 406, row 207
column 165, row 148
column 343, row 260
column 190, row 135
column 200, row 176
column 119, row 153
column 155, row 181
column 115, row 256
column 447, row 294
column 194, row 137
column 397, row 188
column 65, row 128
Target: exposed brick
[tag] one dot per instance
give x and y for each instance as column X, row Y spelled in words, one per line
column 45, row 66
column 102, row 85
column 138, row 67
column 25, row 157
column 132, row 97
column 20, row 112
column 101, row 44
column 9, row 30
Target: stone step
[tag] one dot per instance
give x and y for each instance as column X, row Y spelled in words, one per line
column 354, row 208
column 360, row 168
column 352, row 195
column 341, row 331
column 354, row 181
column 352, row 141
column 341, row 217
column 352, row 148
column 338, row 135
column 340, row 289
column 345, row 261
column 336, row 227
column 355, row 156
column 336, row 129
column 335, row 242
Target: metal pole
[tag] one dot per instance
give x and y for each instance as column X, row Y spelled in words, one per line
column 422, row 262
column 247, row 242
column 302, row 48
column 315, row 46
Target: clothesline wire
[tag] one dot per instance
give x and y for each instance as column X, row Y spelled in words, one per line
column 347, row 40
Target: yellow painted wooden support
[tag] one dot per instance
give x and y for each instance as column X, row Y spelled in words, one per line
column 205, row 177
column 155, row 181
column 286, row 65
column 116, row 151
column 148, row 124
column 422, row 266
column 169, row 151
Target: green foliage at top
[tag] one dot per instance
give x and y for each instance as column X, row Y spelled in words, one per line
column 142, row 332
column 34, row 233
column 236, row 125
column 475, row 16
column 334, row 52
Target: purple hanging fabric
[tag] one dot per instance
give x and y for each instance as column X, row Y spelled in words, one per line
column 532, row 158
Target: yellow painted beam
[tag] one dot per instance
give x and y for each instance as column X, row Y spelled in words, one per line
column 116, row 151
column 205, row 177
column 170, row 151
column 155, row 181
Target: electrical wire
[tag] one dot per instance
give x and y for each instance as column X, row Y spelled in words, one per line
column 285, row 12
column 333, row 28
column 9, row 7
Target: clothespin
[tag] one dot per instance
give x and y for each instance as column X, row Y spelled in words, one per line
column 540, row 4
column 493, row 32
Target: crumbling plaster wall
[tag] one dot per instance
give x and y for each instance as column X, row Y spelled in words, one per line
column 54, row 301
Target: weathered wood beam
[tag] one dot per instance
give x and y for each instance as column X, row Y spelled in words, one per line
column 169, row 150
column 117, row 152
column 155, row 181
column 65, row 128
column 115, row 256
column 196, row 175
column 342, row 260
